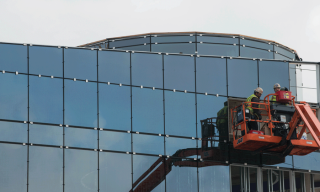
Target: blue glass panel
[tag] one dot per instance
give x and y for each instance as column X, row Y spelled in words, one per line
column 180, row 114
column 147, row 110
column 45, row 134
column 13, row 169
column 114, row 107
column 182, row 178
column 80, row 64
column 148, row 181
column 14, row 132
column 147, row 70
column 148, row 144
column 45, row 169
column 174, row 145
column 13, row 58
column 80, row 103
column 45, row 61
column 281, row 57
column 115, row 172
column 84, row 138
column 271, row 72
column 168, row 39
column 276, row 161
column 179, row 73
column 292, row 75
column 284, row 52
column 208, row 106
column 81, row 171
column 128, row 42
column 46, row 100
column 255, row 53
column 218, row 49
column 116, row 141
column 114, row 67
column 182, row 48
column 212, row 39
column 242, row 77
column 214, row 178
column 14, row 100
column 136, row 48
column 257, row 44
column 308, row 162
column 211, row 75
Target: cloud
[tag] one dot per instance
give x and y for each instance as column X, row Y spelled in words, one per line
column 313, row 25
column 149, row 5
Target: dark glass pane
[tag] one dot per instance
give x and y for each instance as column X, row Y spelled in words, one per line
column 255, row 53
column 148, row 144
column 145, row 179
column 116, row 141
column 147, row 110
column 14, row 132
column 242, row 77
column 13, row 58
column 114, row 107
column 46, row 99
column 45, row 169
column 276, row 161
column 257, row 44
column 147, row 70
column 13, row 169
column 84, row 138
column 179, row 73
column 180, row 114
column 211, row 75
column 307, row 162
column 213, row 178
column 45, row 134
column 115, row 172
column 114, row 67
column 80, row 64
column 292, row 75
column 45, row 61
column 218, row 49
column 271, row 72
column 136, row 48
column 183, row 176
column 128, row 42
column 284, row 52
column 14, row 96
column 182, row 48
column 168, row 39
column 81, row 170
column 281, row 57
column 175, row 145
column 80, row 103
column 211, row 39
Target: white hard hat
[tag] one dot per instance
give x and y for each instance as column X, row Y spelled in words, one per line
column 259, row 90
column 277, row 85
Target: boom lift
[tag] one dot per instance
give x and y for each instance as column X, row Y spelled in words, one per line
column 285, row 124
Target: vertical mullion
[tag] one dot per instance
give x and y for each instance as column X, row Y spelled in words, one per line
column 196, row 108
column 258, row 64
column 98, row 124
column 164, row 123
column 28, row 121
column 131, row 120
column 63, row 157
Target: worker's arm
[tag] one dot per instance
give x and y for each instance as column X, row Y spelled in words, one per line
column 256, row 111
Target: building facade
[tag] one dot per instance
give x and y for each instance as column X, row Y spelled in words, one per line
column 126, row 114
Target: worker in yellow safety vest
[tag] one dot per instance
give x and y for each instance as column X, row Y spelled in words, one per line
column 276, row 88
column 254, row 113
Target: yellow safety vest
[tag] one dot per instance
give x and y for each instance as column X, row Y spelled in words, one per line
column 273, row 98
column 248, row 105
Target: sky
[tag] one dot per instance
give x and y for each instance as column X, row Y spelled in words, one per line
column 293, row 23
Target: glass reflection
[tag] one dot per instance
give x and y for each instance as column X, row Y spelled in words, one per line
column 180, row 114
column 284, row 52
column 45, row 134
column 14, row 132
column 116, row 141
column 80, row 64
column 307, row 162
column 45, row 61
column 170, row 39
column 179, row 147
column 281, row 57
column 242, row 77
column 218, row 49
column 212, row 39
column 13, row 58
column 128, row 42
column 181, row 48
column 46, row 100
column 42, row 161
column 244, row 179
column 114, row 107
column 258, row 44
column 13, row 169
column 213, row 178
column 147, row 110
column 276, row 161
column 255, row 53
column 149, row 144
column 81, row 170
column 292, row 73
column 84, row 138
column 14, row 100
column 115, row 172
column 136, row 48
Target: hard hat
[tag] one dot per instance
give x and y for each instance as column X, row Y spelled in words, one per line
column 277, row 85
column 259, row 90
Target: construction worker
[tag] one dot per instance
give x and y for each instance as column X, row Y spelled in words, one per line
column 254, row 113
column 222, row 122
column 276, row 88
